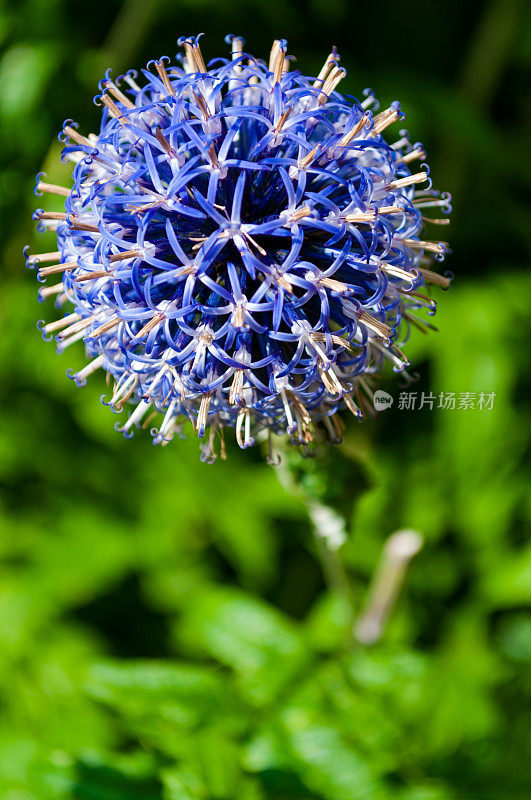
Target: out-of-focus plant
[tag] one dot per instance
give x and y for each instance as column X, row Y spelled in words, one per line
column 168, row 635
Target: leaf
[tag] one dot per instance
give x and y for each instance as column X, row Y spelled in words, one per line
column 145, row 687
column 328, row 625
column 264, row 648
column 181, row 784
column 220, row 761
column 329, row 765
column 509, row 584
column 24, row 73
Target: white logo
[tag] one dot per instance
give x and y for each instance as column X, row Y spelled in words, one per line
column 382, row 400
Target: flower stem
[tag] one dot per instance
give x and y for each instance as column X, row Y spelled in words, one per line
column 398, row 551
column 329, row 533
column 328, row 525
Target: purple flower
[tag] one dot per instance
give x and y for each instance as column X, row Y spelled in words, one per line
column 241, row 247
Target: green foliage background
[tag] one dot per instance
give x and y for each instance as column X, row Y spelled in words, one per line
column 166, row 630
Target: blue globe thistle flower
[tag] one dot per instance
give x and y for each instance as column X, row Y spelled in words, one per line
column 241, row 247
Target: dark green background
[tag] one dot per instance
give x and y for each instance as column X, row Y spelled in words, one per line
column 166, row 630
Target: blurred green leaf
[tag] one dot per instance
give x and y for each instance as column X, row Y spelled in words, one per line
column 24, row 71
column 509, row 584
column 329, row 764
column 264, row 648
column 145, row 687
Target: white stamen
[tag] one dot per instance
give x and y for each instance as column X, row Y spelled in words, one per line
column 408, row 180
column 137, row 414
column 90, row 368
column 61, row 323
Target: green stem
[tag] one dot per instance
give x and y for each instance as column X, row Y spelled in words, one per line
column 130, row 28
column 329, row 533
column 328, row 526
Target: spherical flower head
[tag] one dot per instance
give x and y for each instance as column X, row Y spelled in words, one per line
column 241, row 247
